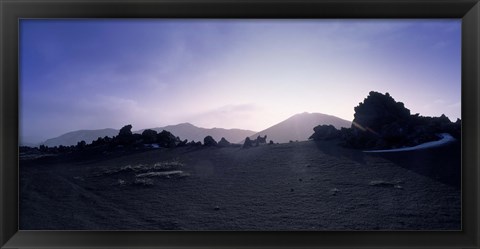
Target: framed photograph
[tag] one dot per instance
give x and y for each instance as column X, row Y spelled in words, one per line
column 246, row 124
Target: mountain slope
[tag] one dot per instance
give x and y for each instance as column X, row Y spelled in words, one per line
column 191, row 132
column 300, row 127
column 72, row 138
column 184, row 131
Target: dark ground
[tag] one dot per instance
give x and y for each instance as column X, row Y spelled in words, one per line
column 294, row 186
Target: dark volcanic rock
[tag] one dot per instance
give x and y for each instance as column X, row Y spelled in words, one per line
column 125, row 131
column 324, row 132
column 248, row 143
column 182, row 143
column 193, row 143
column 209, row 141
column 223, row 142
column 149, row 136
column 382, row 123
column 167, row 139
column 260, row 140
column 125, row 136
column 378, row 110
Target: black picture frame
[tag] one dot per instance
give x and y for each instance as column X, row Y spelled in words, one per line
column 13, row 10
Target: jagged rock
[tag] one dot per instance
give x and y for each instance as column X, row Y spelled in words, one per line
column 166, row 139
column 125, row 131
column 378, row 110
column 261, row 140
column 182, row 143
column 223, row 142
column 149, row 136
column 248, row 143
column 382, row 123
column 193, row 143
column 209, row 141
column 325, row 132
column 125, row 136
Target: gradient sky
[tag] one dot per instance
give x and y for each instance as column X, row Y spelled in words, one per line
column 249, row 74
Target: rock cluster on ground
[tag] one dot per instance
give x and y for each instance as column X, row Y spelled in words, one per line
column 223, row 142
column 209, row 141
column 380, row 122
column 256, row 142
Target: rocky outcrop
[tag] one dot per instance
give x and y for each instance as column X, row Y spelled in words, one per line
column 125, row 135
column 325, row 132
column 261, row 140
column 223, row 142
column 167, row 139
column 248, row 143
column 194, row 144
column 255, row 142
column 378, row 110
column 382, row 123
column 149, row 136
column 209, row 141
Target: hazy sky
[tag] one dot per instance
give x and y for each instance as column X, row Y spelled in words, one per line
column 249, row 74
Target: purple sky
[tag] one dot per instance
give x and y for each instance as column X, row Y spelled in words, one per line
column 250, row 74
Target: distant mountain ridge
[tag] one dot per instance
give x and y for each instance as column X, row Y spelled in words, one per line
column 72, row 138
column 183, row 130
column 192, row 132
column 300, row 127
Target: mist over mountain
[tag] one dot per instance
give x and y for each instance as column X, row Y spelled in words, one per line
column 72, row 138
column 300, row 127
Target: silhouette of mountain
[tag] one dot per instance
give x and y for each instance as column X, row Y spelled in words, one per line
column 192, row 132
column 72, row 138
column 184, row 131
column 300, row 127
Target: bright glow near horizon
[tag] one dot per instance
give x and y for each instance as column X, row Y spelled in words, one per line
column 248, row 74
